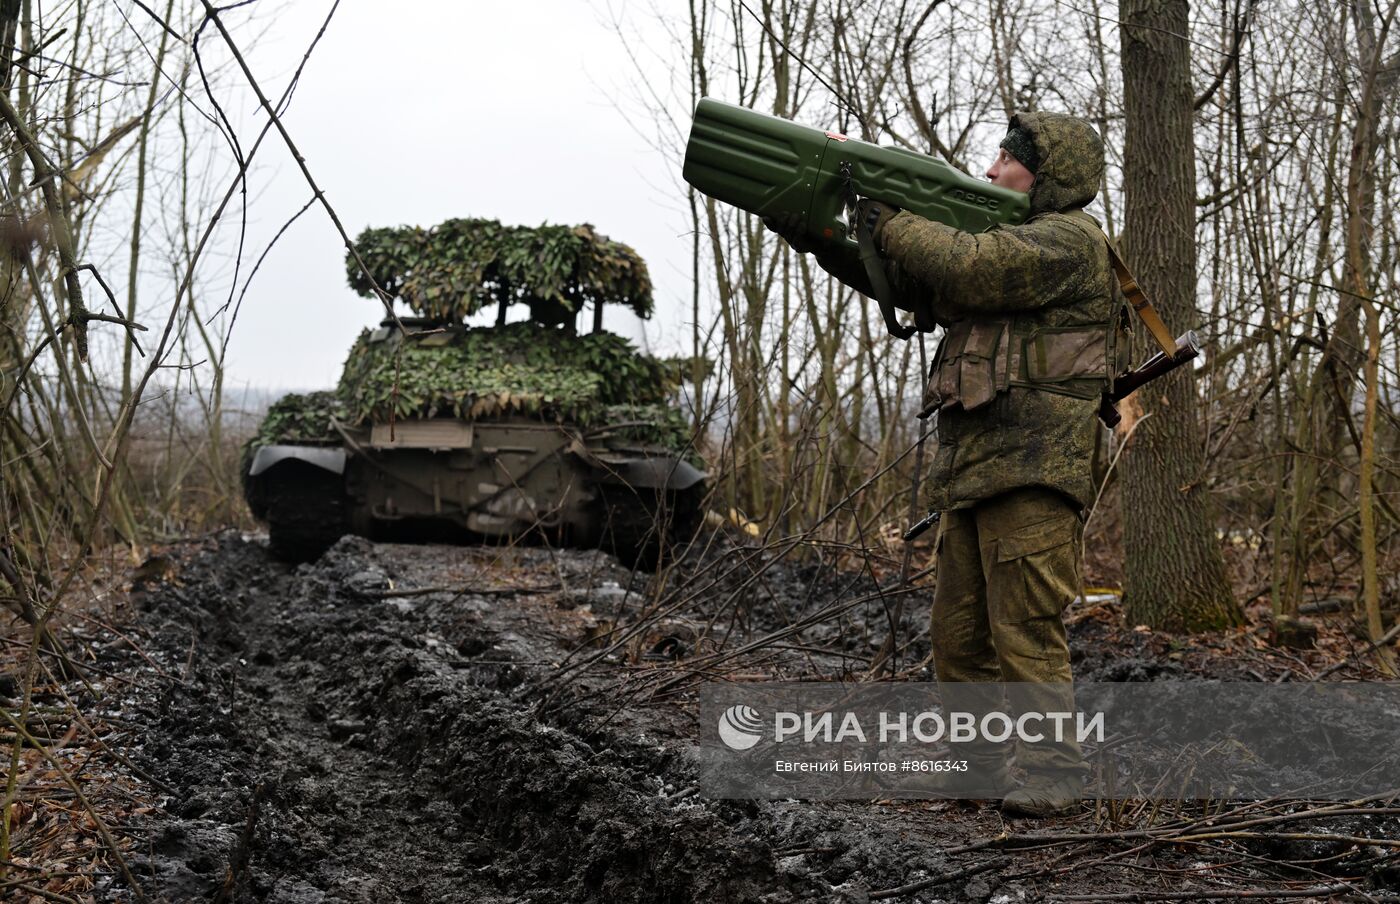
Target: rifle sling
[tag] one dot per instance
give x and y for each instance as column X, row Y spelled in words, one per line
column 879, row 284
column 1140, row 302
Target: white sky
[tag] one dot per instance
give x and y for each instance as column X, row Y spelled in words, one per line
column 415, row 112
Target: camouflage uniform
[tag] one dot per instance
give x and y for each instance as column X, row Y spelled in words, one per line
column 1033, row 318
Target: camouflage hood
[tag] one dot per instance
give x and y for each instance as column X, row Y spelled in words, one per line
column 1071, row 160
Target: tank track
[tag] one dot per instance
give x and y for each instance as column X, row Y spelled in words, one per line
column 646, row 528
column 306, row 512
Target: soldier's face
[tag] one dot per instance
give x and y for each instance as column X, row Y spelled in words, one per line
column 1008, row 172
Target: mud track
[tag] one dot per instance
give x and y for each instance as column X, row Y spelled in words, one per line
column 367, row 728
column 393, row 758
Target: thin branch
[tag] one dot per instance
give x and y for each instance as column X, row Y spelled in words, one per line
column 58, row 222
column 385, row 298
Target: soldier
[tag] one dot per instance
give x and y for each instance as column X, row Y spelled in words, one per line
column 1033, row 318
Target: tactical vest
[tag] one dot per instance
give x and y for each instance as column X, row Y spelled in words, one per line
column 983, row 357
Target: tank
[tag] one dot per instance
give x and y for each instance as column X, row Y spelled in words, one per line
column 514, row 431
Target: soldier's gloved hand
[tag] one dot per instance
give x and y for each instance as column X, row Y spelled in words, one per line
column 789, row 227
column 874, row 215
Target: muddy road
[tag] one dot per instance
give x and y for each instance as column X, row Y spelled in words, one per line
column 389, row 724
column 345, row 731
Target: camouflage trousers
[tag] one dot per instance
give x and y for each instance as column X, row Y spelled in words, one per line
column 1007, row 568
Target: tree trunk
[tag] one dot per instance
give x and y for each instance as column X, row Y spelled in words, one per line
column 1378, row 79
column 1175, row 575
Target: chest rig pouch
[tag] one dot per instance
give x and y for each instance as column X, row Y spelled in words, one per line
column 972, row 364
column 979, row 359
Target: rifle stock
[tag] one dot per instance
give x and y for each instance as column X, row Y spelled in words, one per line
column 1188, row 346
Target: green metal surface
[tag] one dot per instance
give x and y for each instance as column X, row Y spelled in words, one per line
column 771, row 167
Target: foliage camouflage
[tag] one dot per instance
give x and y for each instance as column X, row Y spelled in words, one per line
column 653, row 425
column 594, row 381
column 453, row 270
column 460, row 266
column 521, row 368
column 301, row 418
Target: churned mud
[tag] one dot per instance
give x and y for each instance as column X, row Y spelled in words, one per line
column 435, row 723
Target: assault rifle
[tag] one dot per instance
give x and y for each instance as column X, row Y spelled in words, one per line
column 1188, row 346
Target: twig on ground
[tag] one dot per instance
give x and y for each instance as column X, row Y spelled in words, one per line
column 482, row 591
column 91, row 811
column 983, row 867
column 1389, row 636
column 46, row 894
column 238, row 859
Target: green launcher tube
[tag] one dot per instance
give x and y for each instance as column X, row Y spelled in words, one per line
column 771, row 166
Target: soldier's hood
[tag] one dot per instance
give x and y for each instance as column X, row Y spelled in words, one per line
column 1071, row 160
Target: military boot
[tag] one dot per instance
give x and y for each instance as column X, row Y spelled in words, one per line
column 985, row 779
column 1046, row 794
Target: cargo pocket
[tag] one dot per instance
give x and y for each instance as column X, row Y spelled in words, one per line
column 943, row 384
column 1036, row 571
column 933, row 400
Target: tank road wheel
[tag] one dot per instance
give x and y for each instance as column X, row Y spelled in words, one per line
column 306, row 511
column 646, row 527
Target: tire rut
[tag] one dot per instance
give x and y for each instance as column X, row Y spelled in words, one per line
column 395, row 767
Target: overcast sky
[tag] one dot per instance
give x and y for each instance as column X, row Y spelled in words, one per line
column 415, row 112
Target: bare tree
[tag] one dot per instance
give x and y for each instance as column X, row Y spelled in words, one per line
column 1175, row 572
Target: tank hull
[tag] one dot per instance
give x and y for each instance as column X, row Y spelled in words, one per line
column 444, row 478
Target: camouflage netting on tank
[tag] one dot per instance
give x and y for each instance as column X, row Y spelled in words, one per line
column 521, row 368
column 297, row 418
column 460, row 266
column 658, row 425
column 301, row 418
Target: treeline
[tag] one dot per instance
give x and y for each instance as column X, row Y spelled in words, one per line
column 1283, row 447
column 123, row 210
column 123, row 169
